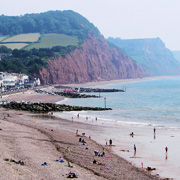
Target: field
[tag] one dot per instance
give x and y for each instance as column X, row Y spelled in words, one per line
column 35, row 40
column 2, row 37
column 50, row 40
column 14, row 45
column 31, row 37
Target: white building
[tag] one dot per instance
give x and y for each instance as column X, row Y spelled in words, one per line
column 12, row 80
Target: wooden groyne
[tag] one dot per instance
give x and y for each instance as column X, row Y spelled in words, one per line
column 46, row 107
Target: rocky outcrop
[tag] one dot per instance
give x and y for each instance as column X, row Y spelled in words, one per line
column 96, row 60
column 151, row 54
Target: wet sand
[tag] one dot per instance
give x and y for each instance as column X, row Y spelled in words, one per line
column 35, row 139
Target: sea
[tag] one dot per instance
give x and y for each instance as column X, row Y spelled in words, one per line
column 153, row 103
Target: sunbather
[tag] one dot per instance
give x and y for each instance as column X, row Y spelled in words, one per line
column 60, row 159
column 69, row 164
column 72, row 175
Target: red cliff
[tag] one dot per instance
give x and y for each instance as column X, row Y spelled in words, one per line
column 96, row 60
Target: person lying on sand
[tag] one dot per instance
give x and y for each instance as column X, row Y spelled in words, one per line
column 60, row 159
column 71, row 175
column 98, row 163
column 150, row 168
column 44, row 164
column 69, row 164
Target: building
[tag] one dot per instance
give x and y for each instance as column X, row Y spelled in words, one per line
column 13, row 81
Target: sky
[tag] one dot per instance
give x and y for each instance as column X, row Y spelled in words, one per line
column 127, row 19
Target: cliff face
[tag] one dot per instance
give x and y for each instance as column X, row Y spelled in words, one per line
column 151, row 54
column 95, row 60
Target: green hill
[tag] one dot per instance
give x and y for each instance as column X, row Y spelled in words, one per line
column 61, row 22
column 34, row 38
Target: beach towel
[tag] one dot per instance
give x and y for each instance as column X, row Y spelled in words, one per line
column 107, row 155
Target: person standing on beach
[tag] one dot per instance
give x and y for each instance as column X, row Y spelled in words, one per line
column 103, row 153
column 134, row 148
column 166, row 149
column 154, row 130
column 110, row 142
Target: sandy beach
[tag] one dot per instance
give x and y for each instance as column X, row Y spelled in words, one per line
column 35, row 139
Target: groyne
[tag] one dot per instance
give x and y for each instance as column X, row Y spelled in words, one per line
column 68, row 94
column 81, row 89
column 46, row 107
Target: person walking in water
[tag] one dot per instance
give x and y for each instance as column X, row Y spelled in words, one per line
column 134, row 148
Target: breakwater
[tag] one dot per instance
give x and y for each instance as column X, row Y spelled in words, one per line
column 46, row 107
column 68, row 94
column 91, row 89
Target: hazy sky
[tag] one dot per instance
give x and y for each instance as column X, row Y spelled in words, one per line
column 126, row 19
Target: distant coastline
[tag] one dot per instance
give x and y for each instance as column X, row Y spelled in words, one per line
column 119, row 81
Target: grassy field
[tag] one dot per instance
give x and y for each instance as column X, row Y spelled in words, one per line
column 2, row 37
column 31, row 37
column 14, row 45
column 50, row 40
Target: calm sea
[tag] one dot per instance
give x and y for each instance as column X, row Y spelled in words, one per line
column 145, row 103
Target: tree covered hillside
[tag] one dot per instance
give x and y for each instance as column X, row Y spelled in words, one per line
column 61, row 22
column 32, row 61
